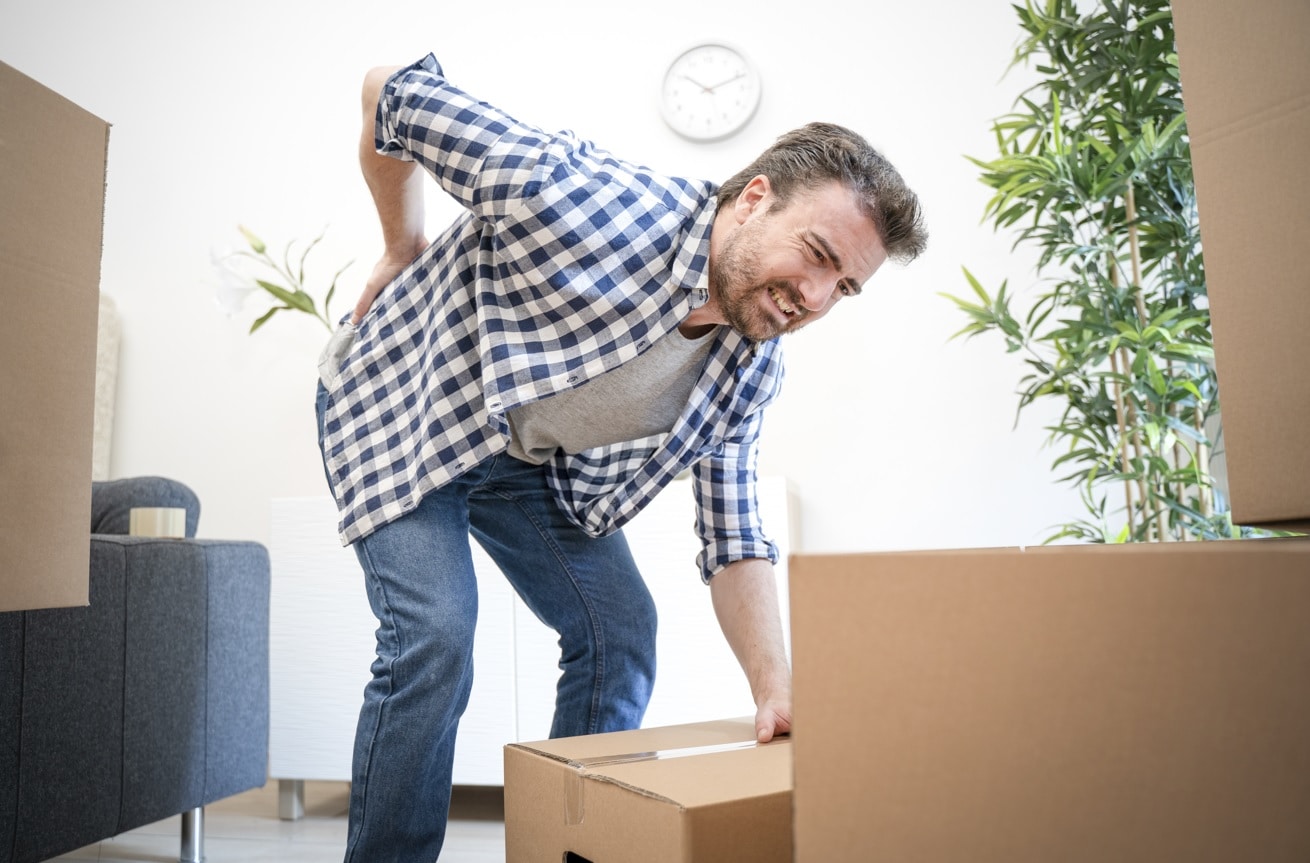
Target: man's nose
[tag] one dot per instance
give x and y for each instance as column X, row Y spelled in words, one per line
column 815, row 294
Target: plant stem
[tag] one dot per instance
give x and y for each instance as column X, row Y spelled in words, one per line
column 1179, row 451
column 1123, row 441
column 1145, row 492
column 1127, row 425
column 1203, row 459
column 1135, row 250
column 1158, row 489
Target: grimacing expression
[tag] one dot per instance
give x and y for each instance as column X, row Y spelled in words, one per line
column 784, row 267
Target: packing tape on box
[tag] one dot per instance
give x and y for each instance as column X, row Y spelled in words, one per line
column 574, row 803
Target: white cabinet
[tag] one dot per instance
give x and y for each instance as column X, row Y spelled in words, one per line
column 321, row 645
column 322, row 642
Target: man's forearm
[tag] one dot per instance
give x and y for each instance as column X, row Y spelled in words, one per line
column 396, row 186
column 745, row 596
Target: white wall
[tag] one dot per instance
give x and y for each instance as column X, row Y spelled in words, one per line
column 246, row 112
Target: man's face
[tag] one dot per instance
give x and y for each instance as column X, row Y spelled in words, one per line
column 782, row 268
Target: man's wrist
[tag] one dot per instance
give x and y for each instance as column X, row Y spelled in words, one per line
column 774, row 686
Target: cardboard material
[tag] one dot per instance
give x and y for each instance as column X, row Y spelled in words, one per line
column 1246, row 88
column 52, row 195
column 1078, row 703
column 704, row 792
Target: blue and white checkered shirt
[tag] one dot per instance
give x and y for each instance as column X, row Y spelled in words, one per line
column 568, row 263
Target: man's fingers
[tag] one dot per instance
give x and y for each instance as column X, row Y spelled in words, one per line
column 384, row 271
column 361, row 308
column 769, row 724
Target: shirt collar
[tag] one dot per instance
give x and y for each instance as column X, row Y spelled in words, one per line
column 691, row 267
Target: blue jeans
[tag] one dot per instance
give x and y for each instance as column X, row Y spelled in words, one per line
column 421, row 586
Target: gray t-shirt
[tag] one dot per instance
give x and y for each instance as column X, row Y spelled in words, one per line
column 640, row 398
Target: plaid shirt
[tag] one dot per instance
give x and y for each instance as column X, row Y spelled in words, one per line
column 567, row 263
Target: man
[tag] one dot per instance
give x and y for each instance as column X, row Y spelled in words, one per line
column 534, row 376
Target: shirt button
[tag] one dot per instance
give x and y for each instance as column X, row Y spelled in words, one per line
column 572, row 379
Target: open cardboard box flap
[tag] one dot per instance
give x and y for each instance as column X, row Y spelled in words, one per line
column 696, row 792
column 52, row 198
column 1245, row 74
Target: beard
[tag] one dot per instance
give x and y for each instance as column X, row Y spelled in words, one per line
column 743, row 298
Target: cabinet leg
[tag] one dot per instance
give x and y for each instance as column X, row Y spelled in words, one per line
column 290, row 799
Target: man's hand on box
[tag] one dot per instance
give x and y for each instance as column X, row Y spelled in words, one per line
column 772, row 718
column 745, row 596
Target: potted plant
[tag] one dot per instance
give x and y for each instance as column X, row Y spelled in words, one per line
column 1093, row 171
column 255, row 269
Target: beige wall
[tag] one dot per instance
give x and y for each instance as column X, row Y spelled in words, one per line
column 247, row 112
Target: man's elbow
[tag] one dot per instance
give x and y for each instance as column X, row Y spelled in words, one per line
column 374, row 80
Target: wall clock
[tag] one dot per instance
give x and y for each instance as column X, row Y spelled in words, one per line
column 710, row 91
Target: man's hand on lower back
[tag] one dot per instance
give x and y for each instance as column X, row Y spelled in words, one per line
column 384, row 271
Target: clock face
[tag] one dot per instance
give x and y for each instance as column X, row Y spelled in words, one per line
column 710, row 91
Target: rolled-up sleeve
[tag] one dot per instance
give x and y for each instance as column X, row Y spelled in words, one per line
column 480, row 155
column 727, row 504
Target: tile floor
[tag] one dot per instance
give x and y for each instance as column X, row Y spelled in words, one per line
column 245, row 829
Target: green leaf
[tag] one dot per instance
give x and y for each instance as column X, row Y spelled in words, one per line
column 263, row 319
column 968, row 331
column 296, row 299
column 971, row 309
column 1152, row 435
column 977, row 286
column 277, row 291
column 1189, row 352
column 1103, row 117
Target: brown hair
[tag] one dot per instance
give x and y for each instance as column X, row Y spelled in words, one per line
column 818, row 153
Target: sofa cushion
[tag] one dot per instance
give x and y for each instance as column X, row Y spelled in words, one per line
column 165, row 680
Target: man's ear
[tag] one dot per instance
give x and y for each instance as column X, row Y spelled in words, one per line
column 757, row 195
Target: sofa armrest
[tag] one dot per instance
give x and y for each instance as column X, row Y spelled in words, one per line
column 112, row 502
column 150, row 702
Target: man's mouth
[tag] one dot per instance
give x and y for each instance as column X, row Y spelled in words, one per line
column 781, row 302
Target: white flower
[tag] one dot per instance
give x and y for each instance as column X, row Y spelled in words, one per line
column 233, row 286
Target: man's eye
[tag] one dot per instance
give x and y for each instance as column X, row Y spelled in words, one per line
column 818, row 255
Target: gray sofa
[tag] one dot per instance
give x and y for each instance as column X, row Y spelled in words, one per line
column 150, row 702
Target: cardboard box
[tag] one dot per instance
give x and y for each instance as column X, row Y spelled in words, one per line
column 704, row 792
column 1077, row 703
column 52, row 196
column 1246, row 87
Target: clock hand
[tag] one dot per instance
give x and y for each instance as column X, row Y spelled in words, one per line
column 699, row 84
column 721, row 83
